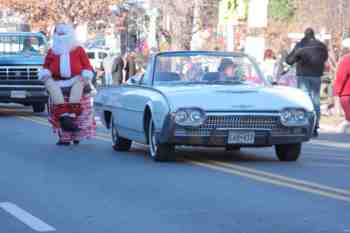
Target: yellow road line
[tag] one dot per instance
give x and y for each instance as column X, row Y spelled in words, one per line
column 272, row 181
column 281, row 178
column 265, row 177
column 327, row 165
column 34, row 120
column 42, row 122
column 330, row 143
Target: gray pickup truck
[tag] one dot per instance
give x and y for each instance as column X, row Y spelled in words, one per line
column 21, row 57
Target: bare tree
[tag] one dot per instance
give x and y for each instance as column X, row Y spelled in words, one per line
column 44, row 12
column 184, row 18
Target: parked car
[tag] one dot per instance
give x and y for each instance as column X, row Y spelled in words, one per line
column 96, row 57
column 21, row 57
column 164, row 108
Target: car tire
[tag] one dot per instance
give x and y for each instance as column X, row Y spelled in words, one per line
column 39, row 108
column 288, row 152
column 119, row 143
column 159, row 152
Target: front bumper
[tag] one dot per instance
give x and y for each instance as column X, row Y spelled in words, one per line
column 219, row 138
column 32, row 95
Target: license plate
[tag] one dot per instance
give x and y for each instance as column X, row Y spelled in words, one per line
column 241, row 137
column 18, row 94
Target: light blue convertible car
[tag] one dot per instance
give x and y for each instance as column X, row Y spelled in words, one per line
column 205, row 99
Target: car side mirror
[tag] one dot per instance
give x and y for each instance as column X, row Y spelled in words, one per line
column 136, row 80
column 133, row 80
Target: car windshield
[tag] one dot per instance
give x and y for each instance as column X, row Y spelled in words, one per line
column 22, row 45
column 206, row 68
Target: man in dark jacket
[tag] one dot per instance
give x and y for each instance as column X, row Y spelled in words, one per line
column 117, row 70
column 310, row 56
column 130, row 66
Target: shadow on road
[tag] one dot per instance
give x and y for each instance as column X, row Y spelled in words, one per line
column 14, row 110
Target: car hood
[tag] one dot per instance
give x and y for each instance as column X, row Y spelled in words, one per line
column 21, row 60
column 235, row 97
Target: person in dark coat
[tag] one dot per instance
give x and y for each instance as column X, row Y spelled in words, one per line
column 117, row 70
column 130, row 67
column 310, row 56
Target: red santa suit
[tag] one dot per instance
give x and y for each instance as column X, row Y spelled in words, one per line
column 66, row 66
column 78, row 61
column 79, row 70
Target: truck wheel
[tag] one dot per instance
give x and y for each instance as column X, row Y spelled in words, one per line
column 288, row 152
column 159, row 151
column 39, row 108
column 119, row 143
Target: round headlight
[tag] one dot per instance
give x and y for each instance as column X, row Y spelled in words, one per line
column 286, row 115
column 181, row 116
column 196, row 116
column 189, row 117
column 293, row 117
column 300, row 115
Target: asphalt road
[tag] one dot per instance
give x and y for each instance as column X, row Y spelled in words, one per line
column 92, row 189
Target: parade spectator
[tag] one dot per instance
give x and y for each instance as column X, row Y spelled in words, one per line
column 269, row 64
column 117, row 70
column 310, row 56
column 107, row 65
column 130, row 66
column 342, row 84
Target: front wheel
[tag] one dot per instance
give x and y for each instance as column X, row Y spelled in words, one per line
column 39, row 108
column 288, row 152
column 159, row 151
column 119, row 143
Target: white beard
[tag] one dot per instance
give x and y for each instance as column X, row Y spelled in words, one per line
column 63, row 44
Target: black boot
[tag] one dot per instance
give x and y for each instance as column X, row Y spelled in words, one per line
column 76, row 142
column 61, row 143
column 67, row 124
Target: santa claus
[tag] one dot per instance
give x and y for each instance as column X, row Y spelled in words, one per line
column 67, row 73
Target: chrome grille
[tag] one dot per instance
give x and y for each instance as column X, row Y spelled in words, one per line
column 9, row 73
column 241, row 122
column 217, row 124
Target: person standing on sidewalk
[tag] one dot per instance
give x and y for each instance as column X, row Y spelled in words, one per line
column 310, row 56
column 342, row 84
column 130, row 66
column 117, row 70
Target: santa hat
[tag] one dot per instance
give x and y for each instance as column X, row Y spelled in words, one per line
column 346, row 43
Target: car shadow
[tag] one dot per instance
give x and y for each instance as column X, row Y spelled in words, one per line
column 216, row 154
column 221, row 155
column 14, row 110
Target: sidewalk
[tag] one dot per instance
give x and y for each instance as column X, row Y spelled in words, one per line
column 331, row 124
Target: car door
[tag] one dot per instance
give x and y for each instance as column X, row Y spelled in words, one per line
column 133, row 98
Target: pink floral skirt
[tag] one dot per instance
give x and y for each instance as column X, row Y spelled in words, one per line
column 85, row 121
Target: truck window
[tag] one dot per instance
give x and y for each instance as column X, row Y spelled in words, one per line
column 22, row 44
column 102, row 55
column 91, row 55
